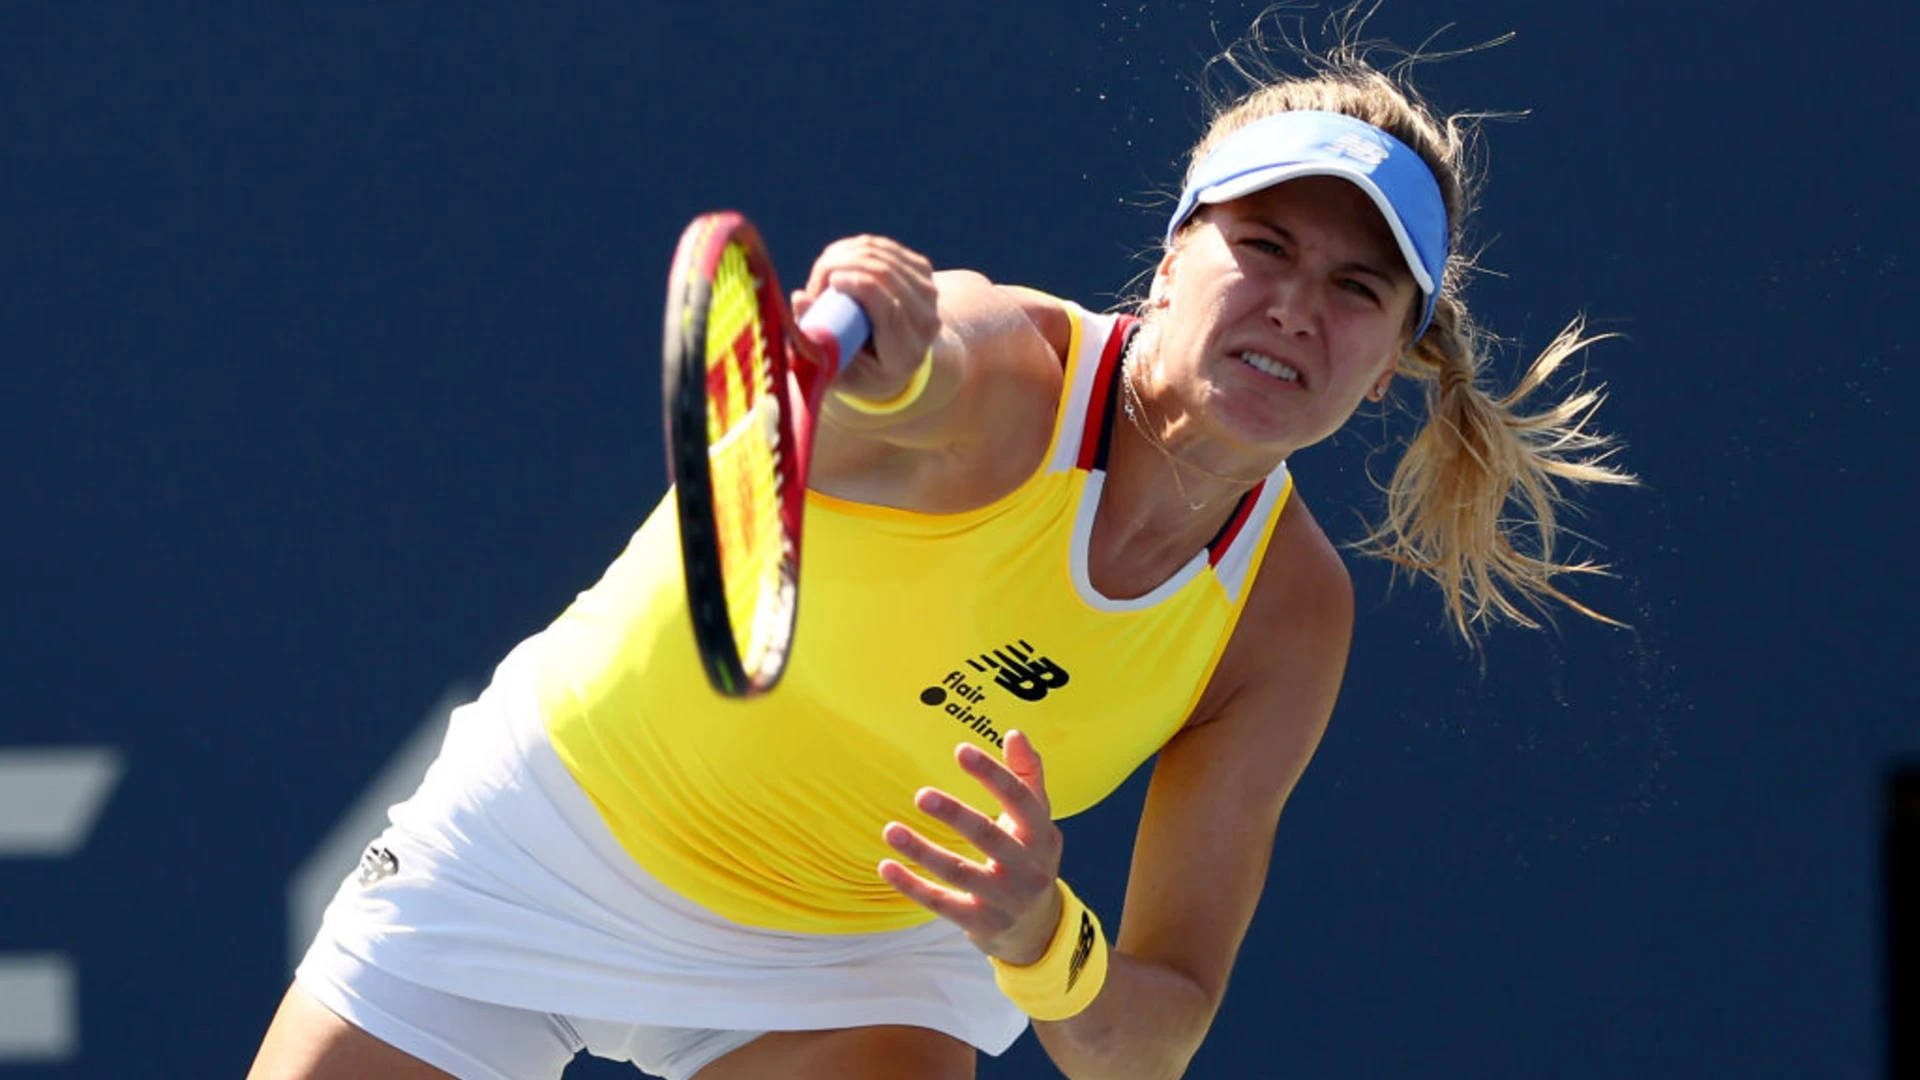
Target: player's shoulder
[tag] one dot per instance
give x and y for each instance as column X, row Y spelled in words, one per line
column 1049, row 314
column 1302, row 592
column 1288, row 652
column 1015, row 318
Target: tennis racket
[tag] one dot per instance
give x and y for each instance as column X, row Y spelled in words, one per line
column 742, row 388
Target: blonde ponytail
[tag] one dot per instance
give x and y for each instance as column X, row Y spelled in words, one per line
column 1474, row 501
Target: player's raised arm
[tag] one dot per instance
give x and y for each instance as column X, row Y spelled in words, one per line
column 953, row 357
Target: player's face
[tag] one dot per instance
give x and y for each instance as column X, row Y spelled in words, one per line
column 1283, row 309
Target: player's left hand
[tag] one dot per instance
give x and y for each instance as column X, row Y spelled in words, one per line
column 1009, row 904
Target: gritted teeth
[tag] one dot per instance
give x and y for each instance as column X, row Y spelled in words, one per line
column 1267, row 364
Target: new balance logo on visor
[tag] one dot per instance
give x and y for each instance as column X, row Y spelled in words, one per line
column 1082, row 949
column 1020, row 673
column 1359, row 149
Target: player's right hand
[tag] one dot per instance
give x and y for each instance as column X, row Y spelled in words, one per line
column 894, row 285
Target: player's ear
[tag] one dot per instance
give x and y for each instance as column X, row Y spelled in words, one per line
column 1162, row 278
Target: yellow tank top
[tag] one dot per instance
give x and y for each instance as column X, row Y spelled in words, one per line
column 915, row 631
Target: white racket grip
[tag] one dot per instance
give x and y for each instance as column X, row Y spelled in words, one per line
column 836, row 318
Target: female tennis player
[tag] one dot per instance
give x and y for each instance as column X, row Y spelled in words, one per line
column 1059, row 540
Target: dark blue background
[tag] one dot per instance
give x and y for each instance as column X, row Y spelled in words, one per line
column 330, row 345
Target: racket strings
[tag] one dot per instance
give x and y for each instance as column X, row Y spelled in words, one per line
column 744, row 461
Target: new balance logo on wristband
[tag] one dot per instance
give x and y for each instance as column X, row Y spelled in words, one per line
column 1077, row 950
column 1082, row 949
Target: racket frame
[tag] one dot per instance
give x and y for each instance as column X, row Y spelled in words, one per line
column 802, row 365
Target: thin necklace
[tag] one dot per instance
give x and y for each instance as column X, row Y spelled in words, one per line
column 1136, row 410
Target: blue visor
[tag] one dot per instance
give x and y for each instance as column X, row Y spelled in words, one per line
column 1290, row 145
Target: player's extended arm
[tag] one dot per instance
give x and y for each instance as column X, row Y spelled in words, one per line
column 1206, row 834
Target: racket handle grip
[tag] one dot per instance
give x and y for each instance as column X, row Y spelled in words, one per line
column 836, row 320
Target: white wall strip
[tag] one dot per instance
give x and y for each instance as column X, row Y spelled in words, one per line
column 51, row 796
column 39, row 1008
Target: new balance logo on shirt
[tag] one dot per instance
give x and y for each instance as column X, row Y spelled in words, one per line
column 1022, row 674
column 1016, row 668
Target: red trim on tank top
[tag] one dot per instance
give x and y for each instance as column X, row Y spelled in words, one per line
column 1102, row 393
column 1218, row 548
column 1093, row 432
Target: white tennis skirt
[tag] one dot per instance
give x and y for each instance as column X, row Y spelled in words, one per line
column 499, row 882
